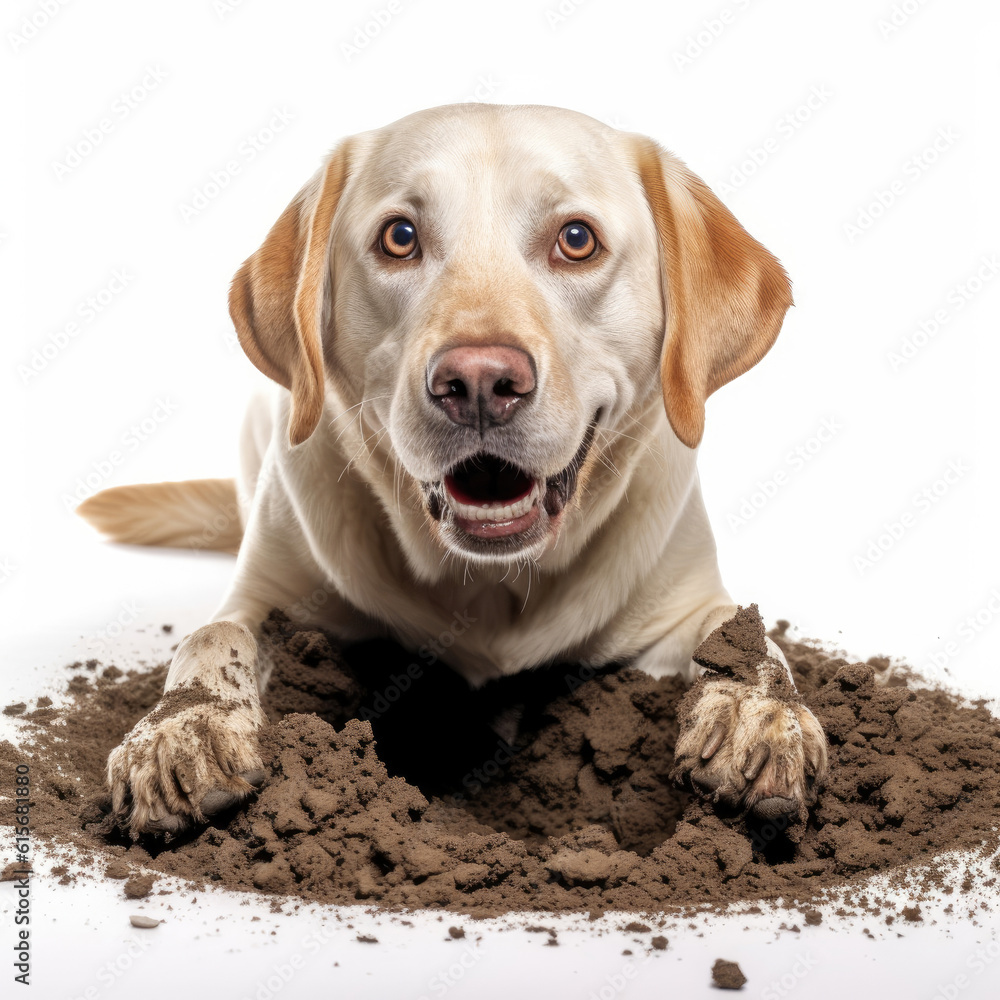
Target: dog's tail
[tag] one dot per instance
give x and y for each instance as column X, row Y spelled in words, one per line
column 195, row 514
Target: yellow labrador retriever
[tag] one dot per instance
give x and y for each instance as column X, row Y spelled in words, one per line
column 493, row 331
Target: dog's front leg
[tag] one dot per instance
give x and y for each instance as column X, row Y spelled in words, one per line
column 196, row 752
column 746, row 739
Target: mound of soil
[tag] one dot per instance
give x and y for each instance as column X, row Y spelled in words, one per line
column 391, row 783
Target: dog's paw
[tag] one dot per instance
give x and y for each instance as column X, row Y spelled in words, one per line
column 743, row 747
column 193, row 755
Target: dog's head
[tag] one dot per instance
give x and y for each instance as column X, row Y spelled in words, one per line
column 490, row 290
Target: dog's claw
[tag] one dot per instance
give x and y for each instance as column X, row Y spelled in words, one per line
column 744, row 749
column 714, row 741
column 775, row 807
column 216, row 800
column 756, row 760
column 167, row 824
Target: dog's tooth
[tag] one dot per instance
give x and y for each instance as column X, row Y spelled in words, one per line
column 495, row 511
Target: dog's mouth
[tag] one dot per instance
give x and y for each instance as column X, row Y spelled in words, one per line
column 490, row 498
column 488, row 504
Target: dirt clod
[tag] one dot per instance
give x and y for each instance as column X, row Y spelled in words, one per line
column 727, row 975
column 119, row 868
column 139, row 886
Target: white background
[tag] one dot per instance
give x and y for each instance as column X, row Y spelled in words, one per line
column 881, row 96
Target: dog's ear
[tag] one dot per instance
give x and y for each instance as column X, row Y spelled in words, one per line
column 726, row 295
column 281, row 297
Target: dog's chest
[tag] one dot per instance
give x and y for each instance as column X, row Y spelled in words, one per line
column 479, row 629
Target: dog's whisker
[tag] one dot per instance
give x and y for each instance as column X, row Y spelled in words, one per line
column 379, row 435
column 388, row 455
column 370, row 399
column 359, row 415
column 364, row 442
column 348, row 426
column 397, row 487
column 527, row 593
column 609, row 465
column 646, row 443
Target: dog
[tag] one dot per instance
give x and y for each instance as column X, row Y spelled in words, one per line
column 491, row 332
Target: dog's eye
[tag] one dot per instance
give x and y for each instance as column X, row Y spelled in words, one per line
column 399, row 238
column 576, row 241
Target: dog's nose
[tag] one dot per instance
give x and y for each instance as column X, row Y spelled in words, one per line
column 479, row 386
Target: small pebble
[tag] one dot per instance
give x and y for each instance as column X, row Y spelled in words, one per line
column 137, row 920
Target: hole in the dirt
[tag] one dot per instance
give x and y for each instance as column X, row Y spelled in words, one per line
column 771, row 840
column 523, row 755
column 382, row 862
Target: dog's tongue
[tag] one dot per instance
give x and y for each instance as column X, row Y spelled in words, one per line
column 736, row 646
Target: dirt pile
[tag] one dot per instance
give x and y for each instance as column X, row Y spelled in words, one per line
column 548, row 791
